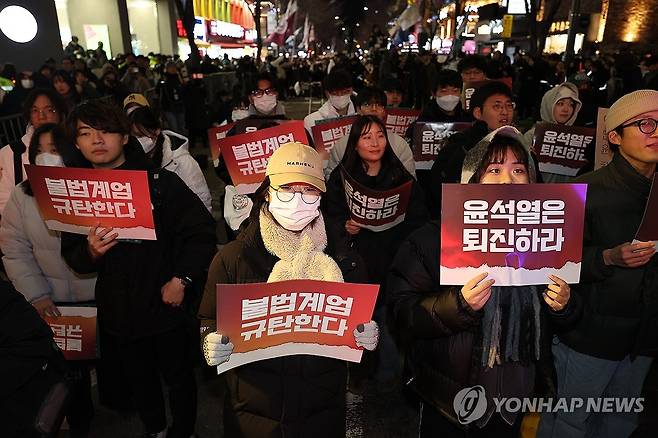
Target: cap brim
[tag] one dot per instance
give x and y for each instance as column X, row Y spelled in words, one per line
column 289, row 178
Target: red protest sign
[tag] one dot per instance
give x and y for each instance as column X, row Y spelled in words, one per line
column 246, row 155
column 398, row 120
column 74, row 332
column 75, row 200
column 325, row 135
column 267, row 320
column 430, row 138
column 518, row 233
column 214, row 135
column 561, row 148
column 648, row 230
column 373, row 209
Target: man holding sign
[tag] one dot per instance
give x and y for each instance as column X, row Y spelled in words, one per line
column 609, row 352
column 145, row 288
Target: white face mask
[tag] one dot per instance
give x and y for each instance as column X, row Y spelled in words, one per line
column 447, row 103
column 294, row 215
column 48, row 159
column 147, row 143
column 27, row 83
column 339, row 102
column 239, row 114
column 265, row 104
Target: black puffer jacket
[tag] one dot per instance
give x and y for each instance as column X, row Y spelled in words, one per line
column 438, row 330
column 293, row 396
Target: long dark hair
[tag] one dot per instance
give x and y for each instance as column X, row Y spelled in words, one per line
column 352, row 163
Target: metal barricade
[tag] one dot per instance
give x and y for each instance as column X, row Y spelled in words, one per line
column 12, row 128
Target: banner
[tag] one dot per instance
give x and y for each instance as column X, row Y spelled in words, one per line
column 75, row 200
column 648, row 230
column 398, row 120
column 376, row 210
column 267, row 320
column 518, row 233
column 214, row 135
column 246, row 155
column 326, row 134
column 74, row 332
column 603, row 153
column 470, row 87
column 561, row 148
column 430, row 138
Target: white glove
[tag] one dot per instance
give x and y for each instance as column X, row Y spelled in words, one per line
column 367, row 335
column 217, row 349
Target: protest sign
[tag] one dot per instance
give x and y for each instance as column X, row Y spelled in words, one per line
column 648, row 230
column 325, row 135
column 373, row 209
column 603, row 153
column 75, row 200
column 561, row 148
column 430, row 138
column 246, row 155
column 267, row 320
column 254, row 124
column 217, row 133
column 470, row 87
column 398, row 120
column 74, row 332
column 518, row 233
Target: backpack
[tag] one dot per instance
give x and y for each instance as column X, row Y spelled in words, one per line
column 18, row 147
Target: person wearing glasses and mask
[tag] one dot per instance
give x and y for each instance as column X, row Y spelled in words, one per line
column 338, row 90
column 609, row 352
column 263, row 100
column 299, row 395
column 42, row 106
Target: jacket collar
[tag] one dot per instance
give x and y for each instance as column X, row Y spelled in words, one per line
column 626, row 175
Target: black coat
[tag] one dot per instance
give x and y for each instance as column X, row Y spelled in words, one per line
column 621, row 304
column 437, row 329
column 132, row 273
column 293, row 396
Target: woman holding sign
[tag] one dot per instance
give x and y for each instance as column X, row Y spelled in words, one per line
column 479, row 337
column 298, row 395
column 373, row 219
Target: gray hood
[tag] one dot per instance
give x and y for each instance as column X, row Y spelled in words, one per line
column 564, row 90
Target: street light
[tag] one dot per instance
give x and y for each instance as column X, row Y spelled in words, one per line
column 365, row 8
column 336, row 17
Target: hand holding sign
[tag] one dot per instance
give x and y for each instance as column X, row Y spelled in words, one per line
column 476, row 291
column 217, row 349
column 46, row 307
column 100, row 242
column 367, row 335
column 557, row 294
column 352, row 227
column 629, row 255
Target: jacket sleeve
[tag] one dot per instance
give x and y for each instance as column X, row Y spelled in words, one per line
column 195, row 180
column 217, row 274
column 335, row 156
column 75, row 252
column 566, row 318
column 18, row 256
column 420, row 307
column 403, row 151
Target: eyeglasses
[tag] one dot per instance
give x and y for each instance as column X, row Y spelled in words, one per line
column 45, row 111
column 508, row 106
column 269, row 92
column 310, row 195
column 646, row 126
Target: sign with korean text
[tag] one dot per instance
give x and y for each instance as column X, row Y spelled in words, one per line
column 267, row 320
column 561, row 148
column 518, row 233
column 603, row 153
column 398, row 120
column 325, row 135
column 373, row 209
column 430, row 138
column 74, row 332
column 246, row 155
column 470, row 87
column 214, row 135
column 649, row 228
column 74, row 200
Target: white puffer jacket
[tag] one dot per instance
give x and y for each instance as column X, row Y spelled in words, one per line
column 185, row 166
column 31, row 255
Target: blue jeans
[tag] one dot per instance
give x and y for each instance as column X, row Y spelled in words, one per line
column 581, row 376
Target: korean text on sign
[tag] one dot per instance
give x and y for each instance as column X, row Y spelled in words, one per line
column 365, row 207
column 398, row 121
column 252, row 157
column 332, row 135
column 320, row 313
column 83, row 198
column 563, row 145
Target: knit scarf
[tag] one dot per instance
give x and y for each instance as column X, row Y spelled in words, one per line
column 511, row 326
column 300, row 252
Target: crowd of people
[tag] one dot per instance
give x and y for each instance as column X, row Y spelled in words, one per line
column 156, row 299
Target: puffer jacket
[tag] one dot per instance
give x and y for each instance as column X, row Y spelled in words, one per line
column 176, row 158
column 31, row 255
column 293, row 396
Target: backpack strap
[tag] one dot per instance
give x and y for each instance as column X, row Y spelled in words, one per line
column 18, row 147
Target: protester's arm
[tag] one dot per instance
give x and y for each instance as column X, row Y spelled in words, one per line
column 403, row 151
column 593, row 268
column 75, row 250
